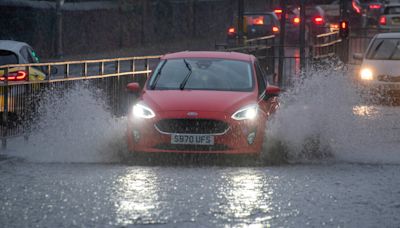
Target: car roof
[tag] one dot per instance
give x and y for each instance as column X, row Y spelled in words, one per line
column 11, row 45
column 210, row 54
column 388, row 35
column 258, row 13
column 392, row 5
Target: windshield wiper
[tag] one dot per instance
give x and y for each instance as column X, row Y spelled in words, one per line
column 182, row 86
column 153, row 85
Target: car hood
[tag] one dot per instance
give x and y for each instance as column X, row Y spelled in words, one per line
column 197, row 100
column 383, row 67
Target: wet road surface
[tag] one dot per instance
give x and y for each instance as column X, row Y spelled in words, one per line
column 357, row 186
column 197, row 195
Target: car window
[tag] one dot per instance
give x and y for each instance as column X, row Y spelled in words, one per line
column 392, row 10
column 384, row 49
column 206, row 74
column 265, row 20
column 33, row 55
column 25, row 54
column 8, row 57
column 29, row 55
column 260, row 79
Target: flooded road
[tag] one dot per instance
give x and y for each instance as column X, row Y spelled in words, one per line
column 312, row 195
column 71, row 173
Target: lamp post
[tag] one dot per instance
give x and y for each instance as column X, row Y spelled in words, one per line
column 302, row 34
column 59, row 28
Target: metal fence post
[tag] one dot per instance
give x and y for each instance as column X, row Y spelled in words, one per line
column 5, row 110
column 282, row 43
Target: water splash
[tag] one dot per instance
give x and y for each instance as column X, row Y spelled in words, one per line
column 325, row 116
column 73, row 126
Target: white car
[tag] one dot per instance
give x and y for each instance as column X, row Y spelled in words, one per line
column 380, row 67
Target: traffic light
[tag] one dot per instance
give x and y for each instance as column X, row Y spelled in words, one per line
column 344, row 29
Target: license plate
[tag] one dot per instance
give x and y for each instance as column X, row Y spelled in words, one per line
column 192, row 139
column 396, row 20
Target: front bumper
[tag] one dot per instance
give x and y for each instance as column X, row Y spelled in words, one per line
column 382, row 91
column 144, row 136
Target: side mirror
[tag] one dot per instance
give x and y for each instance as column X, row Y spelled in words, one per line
column 133, row 87
column 272, row 91
column 358, row 56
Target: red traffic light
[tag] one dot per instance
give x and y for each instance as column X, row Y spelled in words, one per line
column 344, row 29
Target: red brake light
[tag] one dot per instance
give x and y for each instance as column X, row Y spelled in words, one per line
column 382, row 20
column 375, row 6
column 318, row 20
column 275, row 29
column 296, row 20
column 15, row 76
column 278, row 11
column 231, row 31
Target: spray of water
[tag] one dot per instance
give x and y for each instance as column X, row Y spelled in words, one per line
column 321, row 116
column 324, row 116
column 73, row 126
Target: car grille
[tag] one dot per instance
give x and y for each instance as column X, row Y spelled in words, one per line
column 388, row 78
column 180, row 147
column 192, row 126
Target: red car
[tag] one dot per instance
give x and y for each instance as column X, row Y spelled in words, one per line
column 202, row 102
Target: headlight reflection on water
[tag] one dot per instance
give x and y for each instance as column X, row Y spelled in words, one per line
column 364, row 110
column 137, row 196
column 246, row 195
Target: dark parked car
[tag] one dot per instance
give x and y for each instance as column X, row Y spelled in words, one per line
column 256, row 24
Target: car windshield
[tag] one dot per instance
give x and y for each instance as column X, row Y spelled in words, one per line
column 8, row 57
column 385, row 49
column 203, row 74
column 259, row 20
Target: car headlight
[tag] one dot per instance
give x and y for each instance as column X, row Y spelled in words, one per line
column 366, row 74
column 141, row 111
column 246, row 113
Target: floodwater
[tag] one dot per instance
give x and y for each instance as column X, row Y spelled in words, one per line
column 342, row 171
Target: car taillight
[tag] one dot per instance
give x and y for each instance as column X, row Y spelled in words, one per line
column 318, row 20
column 15, row 76
column 231, row 31
column 382, row 20
column 296, row 20
column 375, row 6
column 275, row 29
column 278, row 13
